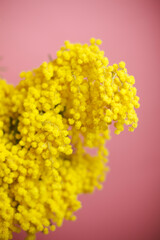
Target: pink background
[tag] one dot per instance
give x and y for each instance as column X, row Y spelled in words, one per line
column 128, row 207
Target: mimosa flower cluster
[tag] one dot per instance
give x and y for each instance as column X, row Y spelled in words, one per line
column 47, row 123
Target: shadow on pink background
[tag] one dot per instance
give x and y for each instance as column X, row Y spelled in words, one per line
column 128, row 206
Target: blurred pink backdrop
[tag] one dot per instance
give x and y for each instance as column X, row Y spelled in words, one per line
column 128, row 207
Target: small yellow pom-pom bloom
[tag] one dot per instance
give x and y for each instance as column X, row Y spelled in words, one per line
column 99, row 42
column 92, row 40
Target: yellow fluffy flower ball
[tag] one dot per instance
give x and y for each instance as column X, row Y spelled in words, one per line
column 47, row 122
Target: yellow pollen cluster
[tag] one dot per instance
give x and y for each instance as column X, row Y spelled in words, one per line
column 47, row 123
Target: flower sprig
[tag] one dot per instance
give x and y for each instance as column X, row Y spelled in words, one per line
column 46, row 123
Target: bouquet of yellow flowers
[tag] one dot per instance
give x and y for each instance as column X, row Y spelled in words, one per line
column 47, row 122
